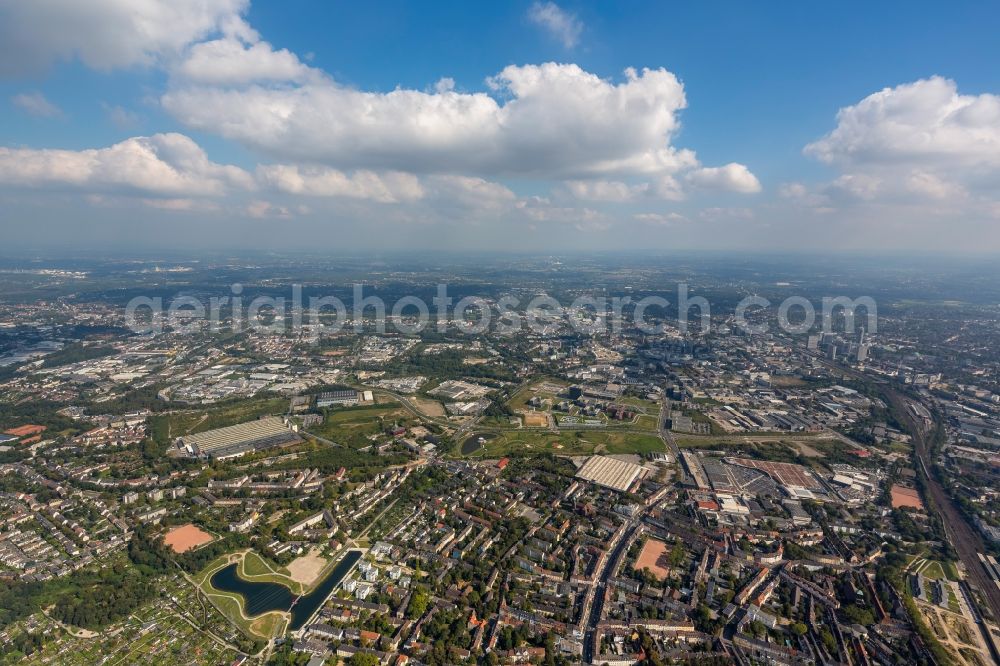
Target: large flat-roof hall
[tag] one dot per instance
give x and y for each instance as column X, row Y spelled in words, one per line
column 611, row 473
column 237, row 440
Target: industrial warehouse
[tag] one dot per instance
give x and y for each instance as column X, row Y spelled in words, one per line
column 611, row 473
column 237, row 440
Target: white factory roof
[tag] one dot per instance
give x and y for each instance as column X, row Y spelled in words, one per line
column 611, row 473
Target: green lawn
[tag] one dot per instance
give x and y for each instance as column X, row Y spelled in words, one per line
column 519, row 400
column 231, row 604
column 950, row 571
column 255, row 567
column 746, row 439
column 647, row 422
column 166, row 427
column 577, row 442
column 933, row 571
column 495, row 422
column 634, row 443
column 353, row 426
column 650, row 407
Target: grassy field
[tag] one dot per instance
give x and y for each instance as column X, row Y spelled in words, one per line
column 495, row 422
column 950, row 571
column 933, row 570
column 255, row 565
column 166, row 427
column 429, row 407
column 645, row 406
column 647, row 422
column 639, row 422
column 231, row 604
column 519, row 400
column 899, row 447
column 352, row 426
column 578, row 442
column 745, row 439
column 255, row 568
column 787, row 381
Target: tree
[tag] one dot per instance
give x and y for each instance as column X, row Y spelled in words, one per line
column 703, row 619
column 550, row 649
column 677, row 555
column 829, row 642
column 363, row 659
column 859, row 615
column 418, row 604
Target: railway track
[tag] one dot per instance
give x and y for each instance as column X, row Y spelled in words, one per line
column 966, row 541
column 962, row 535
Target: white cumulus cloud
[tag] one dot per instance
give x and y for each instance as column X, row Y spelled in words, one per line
column 561, row 24
column 659, row 219
column 258, row 208
column 236, row 59
column 35, row 104
column 549, row 121
column 391, row 187
column 106, row 34
column 732, row 177
column 926, row 122
column 605, row 190
column 922, row 139
column 438, row 150
column 163, row 164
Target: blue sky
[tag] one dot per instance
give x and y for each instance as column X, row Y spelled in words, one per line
column 516, row 127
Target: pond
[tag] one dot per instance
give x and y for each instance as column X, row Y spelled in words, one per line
column 472, row 443
column 261, row 598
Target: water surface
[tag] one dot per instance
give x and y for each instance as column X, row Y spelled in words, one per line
column 261, row 598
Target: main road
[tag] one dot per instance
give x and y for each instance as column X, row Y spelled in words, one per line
column 668, row 438
column 600, row 588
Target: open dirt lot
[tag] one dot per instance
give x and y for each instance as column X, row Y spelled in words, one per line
column 654, row 557
column 428, row 407
column 185, row 537
column 305, row 569
column 806, row 450
column 906, row 497
column 536, row 420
